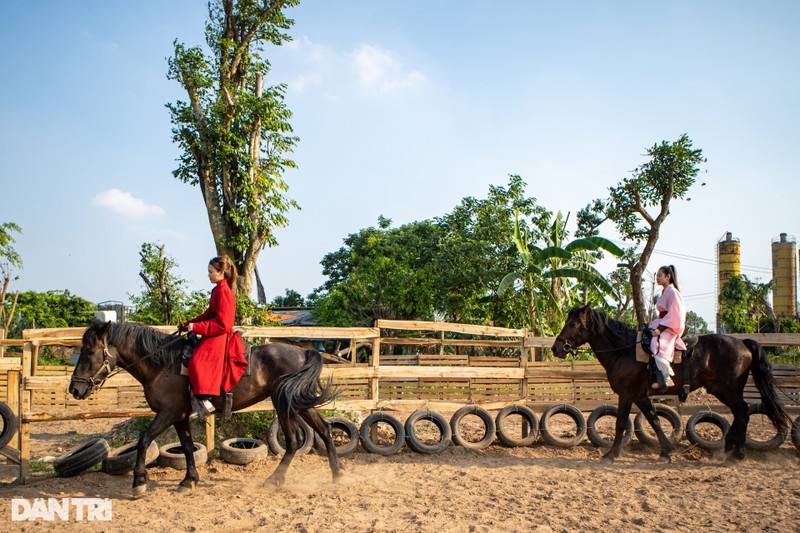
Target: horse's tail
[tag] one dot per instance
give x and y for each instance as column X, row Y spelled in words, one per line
column 767, row 386
column 298, row 390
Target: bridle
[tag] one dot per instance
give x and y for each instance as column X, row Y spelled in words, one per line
column 96, row 381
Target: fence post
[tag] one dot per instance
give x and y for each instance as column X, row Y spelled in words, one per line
column 210, row 425
column 523, row 363
column 2, row 346
column 376, row 362
column 25, row 407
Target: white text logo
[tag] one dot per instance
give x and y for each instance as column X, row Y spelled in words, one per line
column 52, row 509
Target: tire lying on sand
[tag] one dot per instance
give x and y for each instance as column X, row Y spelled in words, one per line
column 122, row 460
column 551, row 437
column 415, row 443
column 662, row 412
column 529, row 419
column 10, row 424
column 763, row 445
column 594, row 435
column 796, row 433
column 242, row 450
column 489, row 433
column 171, row 455
column 275, row 434
column 373, row 447
column 346, row 426
column 81, row 458
column 707, row 417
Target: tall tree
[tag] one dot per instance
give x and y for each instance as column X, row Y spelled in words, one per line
column 744, row 308
column 639, row 205
column 9, row 259
column 234, row 131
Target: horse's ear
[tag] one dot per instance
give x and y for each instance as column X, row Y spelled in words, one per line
column 103, row 330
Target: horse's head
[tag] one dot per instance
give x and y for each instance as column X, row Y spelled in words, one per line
column 574, row 333
column 95, row 362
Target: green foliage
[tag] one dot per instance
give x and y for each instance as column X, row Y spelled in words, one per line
column 744, row 308
column 695, row 325
column 234, row 133
column 290, row 298
column 378, row 274
column 553, row 273
column 51, row 309
column 8, row 255
column 252, row 314
column 163, row 299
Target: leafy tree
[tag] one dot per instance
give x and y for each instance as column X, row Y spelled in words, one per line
column 163, row 299
column 9, row 258
column 667, row 176
column 290, row 298
column 379, row 273
column 51, row 309
column 744, row 308
column 548, row 270
column 695, row 325
column 476, row 250
column 233, row 131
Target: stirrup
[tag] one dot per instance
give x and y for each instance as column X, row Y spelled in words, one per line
column 200, row 409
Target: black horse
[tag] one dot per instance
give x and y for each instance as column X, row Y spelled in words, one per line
column 289, row 375
column 720, row 363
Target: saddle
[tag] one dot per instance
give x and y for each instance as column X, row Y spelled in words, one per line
column 645, row 355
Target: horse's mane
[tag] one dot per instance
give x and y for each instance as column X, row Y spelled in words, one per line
column 143, row 341
column 601, row 324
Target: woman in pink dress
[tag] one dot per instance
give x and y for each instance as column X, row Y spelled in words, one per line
column 669, row 326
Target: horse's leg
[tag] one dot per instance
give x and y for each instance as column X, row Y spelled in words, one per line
column 323, row 429
column 649, row 411
column 734, row 439
column 290, row 428
column 185, row 435
column 161, row 422
column 623, row 412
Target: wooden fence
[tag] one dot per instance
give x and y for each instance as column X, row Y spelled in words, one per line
column 398, row 365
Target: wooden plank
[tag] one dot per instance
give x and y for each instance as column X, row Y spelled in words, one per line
column 538, row 342
column 449, row 326
column 771, row 339
column 308, row 332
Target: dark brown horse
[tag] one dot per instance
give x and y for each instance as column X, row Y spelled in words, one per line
column 720, row 363
column 289, row 375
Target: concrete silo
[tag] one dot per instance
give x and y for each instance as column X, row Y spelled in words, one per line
column 784, row 276
column 728, row 260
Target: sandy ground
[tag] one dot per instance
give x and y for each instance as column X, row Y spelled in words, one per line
column 537, row 488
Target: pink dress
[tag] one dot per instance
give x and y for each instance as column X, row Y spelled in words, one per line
column 672, row 316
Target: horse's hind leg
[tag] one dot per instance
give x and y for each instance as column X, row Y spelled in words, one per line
column 187, row 445
column 623, row 412
column 649, row 411
column 161, row 422
column 734, row 440
column 323, row 429
column 290, row 428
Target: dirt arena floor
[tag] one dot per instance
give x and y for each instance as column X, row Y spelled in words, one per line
column 537, row 488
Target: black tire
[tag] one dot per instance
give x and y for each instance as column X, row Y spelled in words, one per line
column 503, row 434
column 763, row 445
column 346, row 426
column 445, row 433
column 488, row 423
column 122, row 460
column 796, row 432
column 664, row 412
column 10, row 425
column 366, row 438
column 707, row 417
column 81, row 458
column 242, row 451
column 275, row 434
column 171, row 455
column 594, row 435
column 551, row 438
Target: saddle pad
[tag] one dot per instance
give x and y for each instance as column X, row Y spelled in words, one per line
column 644, row 357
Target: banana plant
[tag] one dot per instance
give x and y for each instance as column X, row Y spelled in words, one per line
column 552, row 273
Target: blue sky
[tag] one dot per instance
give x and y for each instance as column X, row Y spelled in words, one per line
column 403, row 109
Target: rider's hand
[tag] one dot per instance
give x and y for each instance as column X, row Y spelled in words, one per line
column 183, row 326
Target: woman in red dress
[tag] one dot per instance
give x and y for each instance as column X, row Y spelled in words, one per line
column 217, row 361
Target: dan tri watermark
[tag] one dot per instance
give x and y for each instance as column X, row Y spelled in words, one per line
column 61, row 509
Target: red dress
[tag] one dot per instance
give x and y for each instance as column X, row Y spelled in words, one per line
column 218, row 360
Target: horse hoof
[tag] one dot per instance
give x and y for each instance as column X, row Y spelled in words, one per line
column 274, row 481
column 607, row 460
column 187, row 487
column 664, row 459
column 139, row 491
